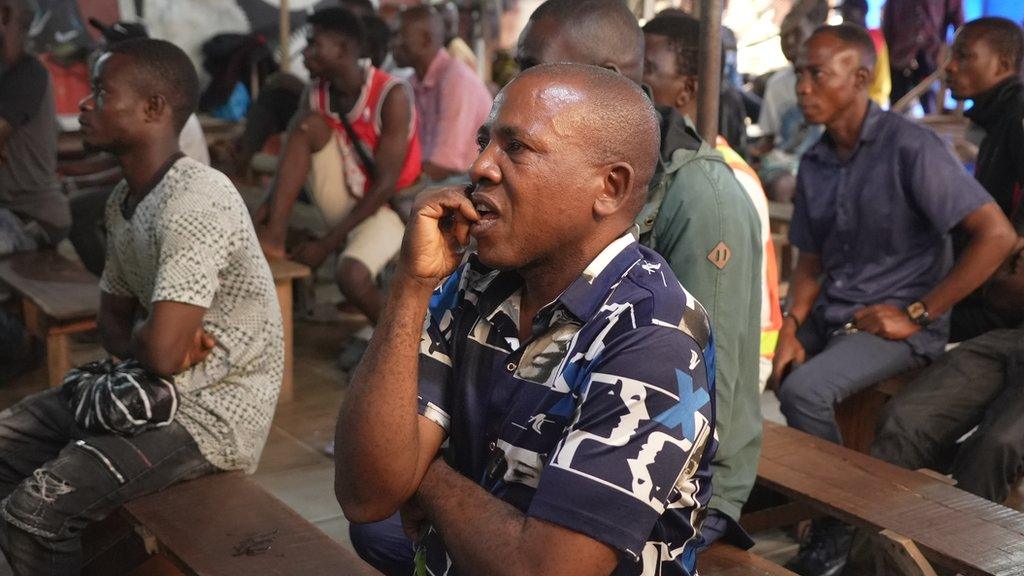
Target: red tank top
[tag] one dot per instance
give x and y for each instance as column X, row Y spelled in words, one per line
column 365, row 119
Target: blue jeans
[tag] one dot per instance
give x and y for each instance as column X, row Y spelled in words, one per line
column 838, row 366
column 56, row 479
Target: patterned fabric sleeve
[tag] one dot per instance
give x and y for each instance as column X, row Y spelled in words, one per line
column 435, row 355
column 636, row 442
column 193, row 248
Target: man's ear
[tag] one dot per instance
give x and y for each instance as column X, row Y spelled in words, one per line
column 156, row 108
column 864, row 78
column 1005, row 63
column 618, row 187
column 686, row 91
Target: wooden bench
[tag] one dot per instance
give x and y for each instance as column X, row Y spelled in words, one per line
column 226, row 524
column 857, row 415
column 58, row 298
column 725, row 560
column 285, row 272
column 952, row 528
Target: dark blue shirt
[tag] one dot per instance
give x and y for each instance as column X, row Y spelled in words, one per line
column 881, row 220
column 602, row 422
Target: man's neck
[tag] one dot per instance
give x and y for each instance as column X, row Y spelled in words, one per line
column 347, row 81
column 142, row 163
column 845, row 130
column 544, row 281
column 422, row 66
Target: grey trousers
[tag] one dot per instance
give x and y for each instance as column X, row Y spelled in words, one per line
column 980, row 383
column 839, row 365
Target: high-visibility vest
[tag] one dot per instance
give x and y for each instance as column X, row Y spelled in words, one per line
column 771, row 314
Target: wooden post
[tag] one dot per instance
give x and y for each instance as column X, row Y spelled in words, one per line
column 285, row 37
column 710, row 69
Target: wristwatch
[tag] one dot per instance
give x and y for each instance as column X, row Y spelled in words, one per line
column 788, row 314
column 918, row 313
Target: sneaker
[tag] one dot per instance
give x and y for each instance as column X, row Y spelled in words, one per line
column 824, row 550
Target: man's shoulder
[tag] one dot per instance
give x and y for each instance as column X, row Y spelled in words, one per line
column 706, row 184
column 657, row 299
column 193, row 186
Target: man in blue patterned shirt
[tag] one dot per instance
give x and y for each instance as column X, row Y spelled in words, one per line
column 568, row 372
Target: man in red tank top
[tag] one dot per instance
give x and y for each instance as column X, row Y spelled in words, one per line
column 354, row 141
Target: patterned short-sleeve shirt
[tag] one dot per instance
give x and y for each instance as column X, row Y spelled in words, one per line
column 602, row 422
column 191, row 240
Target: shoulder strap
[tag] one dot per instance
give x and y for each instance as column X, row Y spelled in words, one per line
column 364, row 158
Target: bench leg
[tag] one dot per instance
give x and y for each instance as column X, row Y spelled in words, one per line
column 284, row 299
column 58, row 358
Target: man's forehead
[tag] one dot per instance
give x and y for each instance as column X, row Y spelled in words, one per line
column 823, row 49
column 534, row 102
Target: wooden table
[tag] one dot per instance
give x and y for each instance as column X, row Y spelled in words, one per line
column 952, row 528
column 285, row 272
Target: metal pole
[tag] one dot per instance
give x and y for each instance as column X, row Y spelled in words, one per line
column 710, row 69
column 285, row 38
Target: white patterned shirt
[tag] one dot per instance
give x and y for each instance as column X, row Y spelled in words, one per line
column 191, row 240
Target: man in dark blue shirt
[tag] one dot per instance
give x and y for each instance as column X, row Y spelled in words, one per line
column 569, row 372
column 874, row 283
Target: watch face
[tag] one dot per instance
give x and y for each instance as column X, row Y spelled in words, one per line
column 916, row 310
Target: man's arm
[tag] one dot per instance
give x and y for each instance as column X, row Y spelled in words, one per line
column 115, row 322
column 396, row 119
column 485, row 535
column 991, row 241
column 5, row 132
column 383, row 446
column 803, row 291
column 172, row 339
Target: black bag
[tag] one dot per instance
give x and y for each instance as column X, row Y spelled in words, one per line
column 122, row 398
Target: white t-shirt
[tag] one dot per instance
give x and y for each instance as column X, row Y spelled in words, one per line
column 192, row 141
column 779, row 97
column 191, row 240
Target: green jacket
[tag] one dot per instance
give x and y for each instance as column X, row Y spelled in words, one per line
column 698, row 212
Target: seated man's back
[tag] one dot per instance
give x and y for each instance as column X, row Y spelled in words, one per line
column 191, row 240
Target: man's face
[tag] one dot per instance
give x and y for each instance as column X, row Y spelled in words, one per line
column 405, row 43
column 324, row 52
column 661, row 72
column 974, row 67
column 535, row 185
column 115, row 110
column 829, row 78
column 544, row 42
column 791, row 41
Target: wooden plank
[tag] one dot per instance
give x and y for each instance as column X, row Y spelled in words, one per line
column 725, row 560
column 58, row 358
column 287, row 270
column 225, row 524
column 284, row 300
column 953, row 528
column 62, row 289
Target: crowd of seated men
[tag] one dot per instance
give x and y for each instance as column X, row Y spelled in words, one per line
column 583, row 308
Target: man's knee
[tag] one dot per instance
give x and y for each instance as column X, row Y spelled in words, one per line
column 802, row 390
column 353, row 275
column 39, row 507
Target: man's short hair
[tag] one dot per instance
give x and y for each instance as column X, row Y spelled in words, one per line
column 608, row 27
column 1004, row 36
column 683, row 33
column 620, row 115
column 431, row 18
column 342, row 22
column 854, row 37
column 159, row 67
column 366, row 5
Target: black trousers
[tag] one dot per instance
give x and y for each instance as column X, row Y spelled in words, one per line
column 904, row 79
column 980, row 383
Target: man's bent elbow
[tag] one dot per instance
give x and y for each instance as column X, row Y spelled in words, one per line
column 366, row 504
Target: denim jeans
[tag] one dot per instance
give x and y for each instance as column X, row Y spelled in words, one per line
column 56, row 479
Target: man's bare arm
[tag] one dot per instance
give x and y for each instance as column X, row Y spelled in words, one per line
column 485, row 535
column 115, row 322
column 383, row 446
column 171, row 339
column 5, row 132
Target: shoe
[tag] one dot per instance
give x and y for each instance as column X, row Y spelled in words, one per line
column 824, row 550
